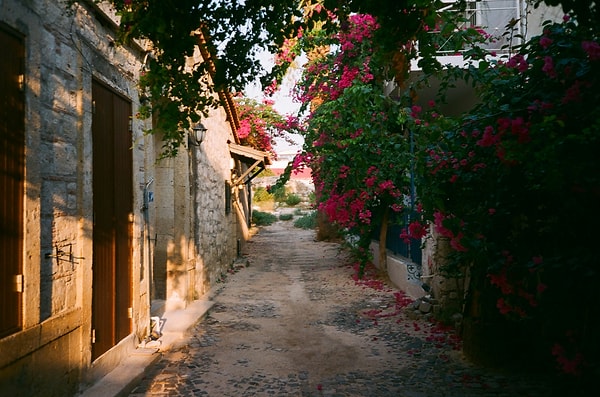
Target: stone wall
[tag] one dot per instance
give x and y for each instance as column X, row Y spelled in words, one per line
column 217, row 233
column 398, row 271
column 64, row 51
column 301, row 187
column 197, row 238
column 446, row 293
column 435, row 293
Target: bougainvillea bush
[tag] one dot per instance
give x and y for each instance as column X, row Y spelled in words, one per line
column 354, row 144
column 261, row 124
column 514, row 185
column 355, row 140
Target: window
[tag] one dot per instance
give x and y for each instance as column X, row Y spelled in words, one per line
column 227, row 197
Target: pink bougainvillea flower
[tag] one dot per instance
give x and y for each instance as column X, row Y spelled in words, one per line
column 545, row 41
column 416, row 230
column 548, row 67
column 405, row 236
column 518, row 62
column 370, row 181
column 397, row 207
column 571, row 366
column 344, row 171
column 456, row 243
column 365, row 216
column 372, row 169
column 245, row 128
column 503, row 306
column 592, row 49
column 357, row 133
column 439, row 218
column 415, row 111
column 573, row 93
column 488, row 138
column 500, row 281
column 386, row 185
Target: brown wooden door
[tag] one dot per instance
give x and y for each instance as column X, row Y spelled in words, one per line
column 113, row 209
column 12, row 170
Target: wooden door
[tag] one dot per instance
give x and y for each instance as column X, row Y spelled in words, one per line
column 12, row 174
column 113, row 212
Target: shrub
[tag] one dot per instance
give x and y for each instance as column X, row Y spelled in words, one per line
column 266, row 172
column 279, row 194
column 308, row 221
column 260, row 218
column 286, row 217
column 261, row 194
column 292, row 199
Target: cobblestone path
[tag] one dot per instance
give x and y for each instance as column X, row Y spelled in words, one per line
column 295, row 323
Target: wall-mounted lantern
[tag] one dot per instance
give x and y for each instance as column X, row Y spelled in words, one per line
column 196, row 135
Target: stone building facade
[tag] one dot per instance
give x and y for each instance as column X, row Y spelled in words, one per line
column 96, row 231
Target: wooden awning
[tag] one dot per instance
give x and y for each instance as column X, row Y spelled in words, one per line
column 256, row 161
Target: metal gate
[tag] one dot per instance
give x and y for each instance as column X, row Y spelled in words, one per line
column 113, row 216
column 12, row 170
column 412, row 250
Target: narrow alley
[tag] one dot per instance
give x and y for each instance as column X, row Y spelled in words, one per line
column 294, row 322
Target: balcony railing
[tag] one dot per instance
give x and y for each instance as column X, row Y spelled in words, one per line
column 488, row 16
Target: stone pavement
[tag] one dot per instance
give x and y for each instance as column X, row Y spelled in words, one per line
column 294, row 322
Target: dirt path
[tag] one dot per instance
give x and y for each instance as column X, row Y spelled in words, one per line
column 294, row 322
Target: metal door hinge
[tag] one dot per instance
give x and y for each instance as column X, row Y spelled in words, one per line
column 18, row 283
column 93, row 336
column 130, row 312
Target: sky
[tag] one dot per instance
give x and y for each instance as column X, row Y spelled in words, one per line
column 284, row 104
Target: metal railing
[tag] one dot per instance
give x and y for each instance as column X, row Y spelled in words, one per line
column 490, row 17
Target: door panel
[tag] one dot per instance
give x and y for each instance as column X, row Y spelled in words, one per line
column 12, row 171
column 113, row 204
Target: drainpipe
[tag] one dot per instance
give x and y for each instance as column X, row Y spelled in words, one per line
column 148, row 246
column 522, row 7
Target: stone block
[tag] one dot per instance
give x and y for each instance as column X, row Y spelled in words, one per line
column 424, row 307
